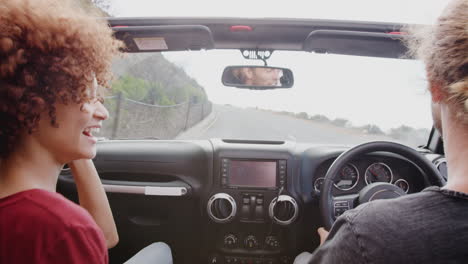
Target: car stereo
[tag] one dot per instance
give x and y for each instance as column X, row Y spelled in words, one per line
column 253, row 173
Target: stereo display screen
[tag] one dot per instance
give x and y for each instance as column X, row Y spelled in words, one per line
column 260, row 174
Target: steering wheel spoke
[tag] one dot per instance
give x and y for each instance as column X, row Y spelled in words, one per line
column 344, row 203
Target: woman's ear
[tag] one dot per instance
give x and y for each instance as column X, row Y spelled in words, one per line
column 437, row 93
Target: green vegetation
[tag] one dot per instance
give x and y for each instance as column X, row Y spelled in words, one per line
column 131, row 87
column 372, row 129
column 141, row 90
column 341, row 122
column 302, row 115
column 152, row 79
column 319, row 118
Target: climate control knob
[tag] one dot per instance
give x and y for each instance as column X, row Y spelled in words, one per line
column 251, row 242
column 272, row 242
column 230, row 240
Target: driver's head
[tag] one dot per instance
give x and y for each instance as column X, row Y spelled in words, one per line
column 265, row 76
column 444, row 50
column 260, row 76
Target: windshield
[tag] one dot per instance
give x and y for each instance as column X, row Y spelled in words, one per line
column 400, row 11
column 335, row 99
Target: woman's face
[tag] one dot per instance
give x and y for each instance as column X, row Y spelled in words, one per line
column 73, row 138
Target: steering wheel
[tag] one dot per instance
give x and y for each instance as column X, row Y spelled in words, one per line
column 331, row 206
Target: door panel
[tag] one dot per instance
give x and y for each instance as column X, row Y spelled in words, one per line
column 154, row 191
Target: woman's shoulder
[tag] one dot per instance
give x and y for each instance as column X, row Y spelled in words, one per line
column 55, row 228
column 43, row 207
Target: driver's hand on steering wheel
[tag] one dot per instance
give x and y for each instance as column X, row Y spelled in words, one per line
column 323, row 234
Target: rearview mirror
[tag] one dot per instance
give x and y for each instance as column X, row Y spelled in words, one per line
column 257, row 77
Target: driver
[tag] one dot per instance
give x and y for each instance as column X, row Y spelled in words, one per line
column 430, row 226
column 258, row 76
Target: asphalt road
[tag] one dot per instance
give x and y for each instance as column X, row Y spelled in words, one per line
column 229, row 122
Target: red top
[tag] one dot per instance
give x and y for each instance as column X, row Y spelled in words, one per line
column 37, row 226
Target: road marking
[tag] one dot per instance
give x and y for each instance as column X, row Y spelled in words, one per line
column 210, row 125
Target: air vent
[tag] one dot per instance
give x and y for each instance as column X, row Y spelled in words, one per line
column 263, row 142
column 441, row 165
column 65, row 170
column 283, row 210
column 221, row 208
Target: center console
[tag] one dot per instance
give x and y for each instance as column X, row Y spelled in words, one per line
column 251, row 211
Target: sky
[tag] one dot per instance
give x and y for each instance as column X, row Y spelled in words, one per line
column 385, row 92
column 408, row 11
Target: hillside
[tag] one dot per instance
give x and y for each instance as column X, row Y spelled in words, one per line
column 151, row 78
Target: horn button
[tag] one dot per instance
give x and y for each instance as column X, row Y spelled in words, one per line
column 379, row 190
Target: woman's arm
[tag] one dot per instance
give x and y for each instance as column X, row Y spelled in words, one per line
column 93, row 198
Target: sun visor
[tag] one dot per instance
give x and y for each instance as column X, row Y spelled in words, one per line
column 164, row 38
column 386, row 45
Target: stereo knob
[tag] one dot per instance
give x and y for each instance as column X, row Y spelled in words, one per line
column 251, row 242
column 221, row 208
column 283, row 210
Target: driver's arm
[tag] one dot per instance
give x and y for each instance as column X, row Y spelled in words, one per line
column 343, row 245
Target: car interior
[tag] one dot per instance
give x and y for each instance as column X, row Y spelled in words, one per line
column 251, row 200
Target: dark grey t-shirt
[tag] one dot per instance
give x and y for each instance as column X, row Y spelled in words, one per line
column 427, row 227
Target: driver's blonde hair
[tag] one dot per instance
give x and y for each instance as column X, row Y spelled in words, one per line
column 444, row 49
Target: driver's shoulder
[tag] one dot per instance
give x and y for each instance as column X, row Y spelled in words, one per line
column 420, row 199
column 408, row 215
column 403, row 212
column 412, row 221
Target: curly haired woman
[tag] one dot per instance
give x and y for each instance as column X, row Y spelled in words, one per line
column 52, row 59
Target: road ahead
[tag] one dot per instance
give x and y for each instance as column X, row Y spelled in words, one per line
column 230, row 122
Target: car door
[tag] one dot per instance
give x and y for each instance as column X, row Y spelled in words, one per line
column 154, row 190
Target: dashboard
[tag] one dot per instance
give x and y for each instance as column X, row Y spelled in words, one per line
column 239, row 201
column 279, row 184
